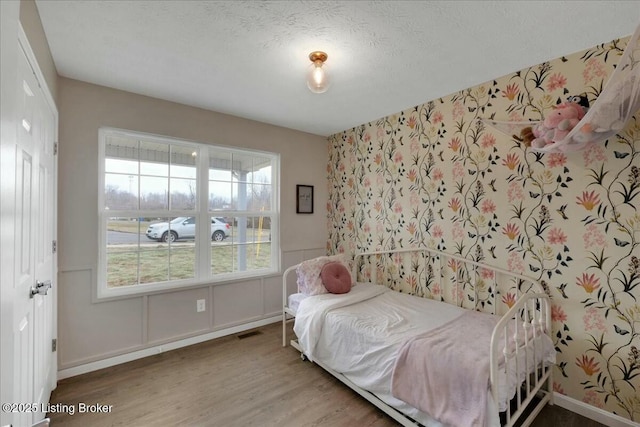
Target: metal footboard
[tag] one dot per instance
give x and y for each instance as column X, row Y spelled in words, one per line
column 516, row 340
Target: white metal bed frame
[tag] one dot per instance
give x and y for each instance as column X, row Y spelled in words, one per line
column 528, row 317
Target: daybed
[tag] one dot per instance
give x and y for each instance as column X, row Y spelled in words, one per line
column 474, row 349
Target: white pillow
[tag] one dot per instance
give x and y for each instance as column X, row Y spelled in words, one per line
column 309, row 280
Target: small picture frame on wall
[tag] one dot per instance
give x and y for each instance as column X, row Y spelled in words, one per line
column 304, row 199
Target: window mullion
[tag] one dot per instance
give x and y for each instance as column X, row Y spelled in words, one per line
column 275, row 212
column 203, row 244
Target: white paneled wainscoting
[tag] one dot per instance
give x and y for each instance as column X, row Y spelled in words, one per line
column 94, row 334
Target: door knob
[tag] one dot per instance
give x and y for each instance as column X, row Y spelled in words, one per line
column 41, row 288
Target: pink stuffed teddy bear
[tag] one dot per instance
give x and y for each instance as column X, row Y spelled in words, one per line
column 564, row 117
column 542, row 134
column 560, row 122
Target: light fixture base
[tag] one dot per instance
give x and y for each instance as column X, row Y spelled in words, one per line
column 318, row 56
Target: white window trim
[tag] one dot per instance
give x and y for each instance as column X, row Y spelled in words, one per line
column 203, row 275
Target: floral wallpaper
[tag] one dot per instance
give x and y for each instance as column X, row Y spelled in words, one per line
column 436, row 176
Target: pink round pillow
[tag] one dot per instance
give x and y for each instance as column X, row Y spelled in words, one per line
column 336, row 278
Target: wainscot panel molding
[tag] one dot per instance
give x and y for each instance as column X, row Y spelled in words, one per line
column 139, row 354
column 165, row 320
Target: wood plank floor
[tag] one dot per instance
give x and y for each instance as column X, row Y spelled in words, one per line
column 239, row 380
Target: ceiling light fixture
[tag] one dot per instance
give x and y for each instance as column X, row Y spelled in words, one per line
column 317, row 80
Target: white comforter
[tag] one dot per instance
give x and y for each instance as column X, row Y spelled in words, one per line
column 312, row 311
column 361, row 341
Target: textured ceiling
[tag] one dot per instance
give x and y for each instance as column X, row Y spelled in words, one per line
column 248, row 58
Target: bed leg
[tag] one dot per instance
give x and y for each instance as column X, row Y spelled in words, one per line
column 284, row 330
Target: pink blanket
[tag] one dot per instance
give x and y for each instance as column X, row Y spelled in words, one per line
column 445, row 372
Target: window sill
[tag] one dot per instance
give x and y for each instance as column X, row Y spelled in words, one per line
column 136, row 291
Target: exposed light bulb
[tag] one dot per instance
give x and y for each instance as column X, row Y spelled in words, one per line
column 318, row 75
column 317, row 79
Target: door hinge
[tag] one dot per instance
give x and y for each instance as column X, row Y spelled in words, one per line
column 55, row 148
column 54, row 246
column 54, row 345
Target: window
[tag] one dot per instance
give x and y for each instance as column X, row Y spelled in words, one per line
column 175, row 213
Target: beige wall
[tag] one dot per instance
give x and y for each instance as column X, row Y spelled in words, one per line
column 91, row 330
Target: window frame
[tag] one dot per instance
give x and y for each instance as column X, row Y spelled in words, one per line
column 202, row 243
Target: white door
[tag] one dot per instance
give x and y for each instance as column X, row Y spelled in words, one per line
column 34, row 321
column 44, row 355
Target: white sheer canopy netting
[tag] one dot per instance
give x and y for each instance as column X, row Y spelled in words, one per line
column 608, row 115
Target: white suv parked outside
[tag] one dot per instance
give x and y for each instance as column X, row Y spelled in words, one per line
column 185, row 228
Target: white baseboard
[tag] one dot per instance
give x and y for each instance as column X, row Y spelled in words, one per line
column 124, row 358
column 596, row 414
